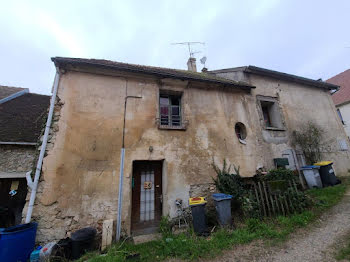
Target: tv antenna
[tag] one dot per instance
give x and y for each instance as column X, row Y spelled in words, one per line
column 203, row 60
column 190, row 44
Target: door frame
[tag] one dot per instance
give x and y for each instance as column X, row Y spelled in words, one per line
column 151, row 229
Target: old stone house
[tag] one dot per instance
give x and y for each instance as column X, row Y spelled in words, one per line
column 341, row 98
column 22, row 116
column 176, row 123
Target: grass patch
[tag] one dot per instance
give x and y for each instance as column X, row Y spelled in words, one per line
column 344, row 253
column 190, row 247
column 329, row 196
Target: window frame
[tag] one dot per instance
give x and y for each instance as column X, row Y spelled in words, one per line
column 274, row 105
column 171, row 125
column 240, row 131
column 266, row 114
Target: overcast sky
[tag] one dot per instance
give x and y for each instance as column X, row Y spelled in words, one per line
column 307, row 38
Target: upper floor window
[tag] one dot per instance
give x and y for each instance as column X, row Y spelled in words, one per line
column 270, row 112
column 170, row 110
column 267, row 108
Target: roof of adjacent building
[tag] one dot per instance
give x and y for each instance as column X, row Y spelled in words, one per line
column 151, row 70
column 6, row 91
column 22, row 118
column 342, row 96
column 280, row 75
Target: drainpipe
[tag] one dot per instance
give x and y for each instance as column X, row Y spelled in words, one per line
column 121, row 172
column 34, row 185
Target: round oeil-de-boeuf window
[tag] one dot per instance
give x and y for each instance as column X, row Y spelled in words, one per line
column 240, row 130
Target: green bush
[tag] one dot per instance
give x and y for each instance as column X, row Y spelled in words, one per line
column 310, row 138
column 299, row 200
column 280, row 174
column 228, row 183
column 250, row 205
column 245, row 199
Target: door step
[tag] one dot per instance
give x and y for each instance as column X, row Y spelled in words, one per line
column 146, row 238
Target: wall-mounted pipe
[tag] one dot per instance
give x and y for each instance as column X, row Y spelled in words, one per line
column 29, row 179
column 121, row 171
column 15, row 95
column 34, row 185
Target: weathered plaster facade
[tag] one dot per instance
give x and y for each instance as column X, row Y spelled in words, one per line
column 80, row 174
column 299, row 104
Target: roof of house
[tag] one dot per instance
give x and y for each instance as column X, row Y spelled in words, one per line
column 280, row 75
column 22, row 118
column 150, row 70
column 6, row 91
column 343, row 94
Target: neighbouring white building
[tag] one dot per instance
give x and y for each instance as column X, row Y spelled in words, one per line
column 341, row 98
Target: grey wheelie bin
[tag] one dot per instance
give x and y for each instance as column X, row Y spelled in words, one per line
column 312, row 176
column 223, row 208
column 199, row 219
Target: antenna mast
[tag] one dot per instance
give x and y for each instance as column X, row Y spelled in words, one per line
column 189, row 45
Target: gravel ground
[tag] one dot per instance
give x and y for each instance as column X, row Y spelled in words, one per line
column 317, row 243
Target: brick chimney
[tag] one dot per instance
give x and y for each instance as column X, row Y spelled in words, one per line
column 191, row 64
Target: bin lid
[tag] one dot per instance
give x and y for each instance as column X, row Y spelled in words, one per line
column 221, row 196
column 19, row 228
column 83, row 234
column 193, row 201
column 323, row 163
column 310, row 167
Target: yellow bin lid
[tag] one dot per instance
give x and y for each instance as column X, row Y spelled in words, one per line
column 323, row 163
column 197, row 201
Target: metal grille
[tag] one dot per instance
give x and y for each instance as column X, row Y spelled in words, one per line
column 147, row 196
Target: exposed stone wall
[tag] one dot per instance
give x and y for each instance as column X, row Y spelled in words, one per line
column 16, row 158
column 52, row 222
column 203, row 190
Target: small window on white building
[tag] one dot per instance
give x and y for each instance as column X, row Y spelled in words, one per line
column 340, row 116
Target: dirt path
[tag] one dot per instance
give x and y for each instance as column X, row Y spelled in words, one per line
column 317, row 243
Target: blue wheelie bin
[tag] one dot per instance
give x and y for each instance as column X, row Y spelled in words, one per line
column 17, row 242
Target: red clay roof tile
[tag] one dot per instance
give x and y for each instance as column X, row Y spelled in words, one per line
column 343, row 94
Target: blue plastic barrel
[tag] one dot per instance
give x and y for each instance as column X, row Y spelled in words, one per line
column 17, row 242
